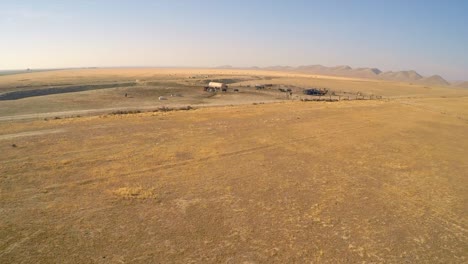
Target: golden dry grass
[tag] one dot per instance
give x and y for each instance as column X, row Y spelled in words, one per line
column 136, row 193
column 381, row 181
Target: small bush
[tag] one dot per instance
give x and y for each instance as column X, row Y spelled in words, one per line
column 127, row 112
column 164, row 109
column 185, row 108
column 168, row 109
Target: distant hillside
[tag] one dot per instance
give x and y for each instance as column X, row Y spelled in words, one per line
column 279, row 68
column 343, row 70
column 461, row 84
column 224, row 67
column 403, row 76
column 372, row 71
column 368, row 73
column 434, row 80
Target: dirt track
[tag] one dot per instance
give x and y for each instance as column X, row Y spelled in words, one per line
column 296, row 182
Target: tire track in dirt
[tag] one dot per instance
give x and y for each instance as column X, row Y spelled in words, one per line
column 32, row 133
column 439, row 216
column 406, row 204
column 442, row 218
column 433, row 110
column 350, row 127
column 19, row 243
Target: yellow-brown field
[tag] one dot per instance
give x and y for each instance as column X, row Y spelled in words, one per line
column 367, row 181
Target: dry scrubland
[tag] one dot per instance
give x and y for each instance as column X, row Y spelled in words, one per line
column 153, row 83
column 375, row 181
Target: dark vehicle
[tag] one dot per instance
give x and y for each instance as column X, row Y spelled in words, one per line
column 315, row 91
column 210, row 89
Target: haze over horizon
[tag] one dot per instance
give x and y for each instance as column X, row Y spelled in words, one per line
column 427, row 36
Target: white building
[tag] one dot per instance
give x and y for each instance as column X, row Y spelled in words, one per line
column 217, row 85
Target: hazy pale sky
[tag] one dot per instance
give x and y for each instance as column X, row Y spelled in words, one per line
column 430, row 37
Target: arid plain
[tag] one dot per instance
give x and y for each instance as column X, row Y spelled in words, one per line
column 254, row 176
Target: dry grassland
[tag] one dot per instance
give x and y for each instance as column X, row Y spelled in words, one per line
column 377, row 181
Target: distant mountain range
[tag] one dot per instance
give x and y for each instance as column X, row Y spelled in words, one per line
column 367, row 73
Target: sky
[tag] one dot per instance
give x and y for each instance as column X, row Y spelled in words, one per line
column 428, row 36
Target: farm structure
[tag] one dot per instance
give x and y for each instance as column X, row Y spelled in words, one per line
column 215, row 87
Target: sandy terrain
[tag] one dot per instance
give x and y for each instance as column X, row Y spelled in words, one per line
column 374, row 181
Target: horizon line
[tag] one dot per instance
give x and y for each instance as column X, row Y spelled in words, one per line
column 224, row 66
